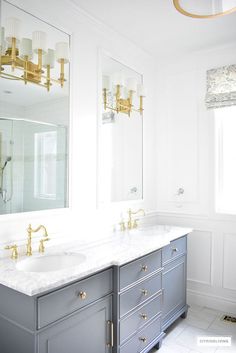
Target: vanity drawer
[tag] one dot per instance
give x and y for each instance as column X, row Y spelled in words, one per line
column 140, row 317
column 62, row 302
column 175, row 248
column 140, row 268
column 143, row 338
column 138, row 294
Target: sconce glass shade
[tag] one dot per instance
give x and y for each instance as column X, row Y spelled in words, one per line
column 26, row 48
column 106, row 84
column 118, row 79
column 49, row 59
column 205, row 8
column 39, row 41
column 132, row 84
column 62, row 52
column 141, row 92
column 12, row 28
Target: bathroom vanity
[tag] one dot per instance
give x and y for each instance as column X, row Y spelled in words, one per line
column 122, row 308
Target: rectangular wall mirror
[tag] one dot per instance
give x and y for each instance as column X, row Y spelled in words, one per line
column 120, row 167
column 34, row 113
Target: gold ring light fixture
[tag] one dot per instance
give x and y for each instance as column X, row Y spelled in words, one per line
column 205, row 8
column 29, row 59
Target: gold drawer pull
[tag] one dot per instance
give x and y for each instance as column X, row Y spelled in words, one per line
column 82, row 295
column 143, row 339
column 144, row 316
column 111, row 326
column 144, row 292
column 144, row 268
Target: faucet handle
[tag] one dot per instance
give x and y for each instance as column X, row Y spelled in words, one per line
column 14, row 248
column 135, row 223
column 122, row 226
column 41, row 245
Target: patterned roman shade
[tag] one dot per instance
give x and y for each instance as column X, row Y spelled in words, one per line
column 221, row 87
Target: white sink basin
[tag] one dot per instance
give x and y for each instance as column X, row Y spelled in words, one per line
column 50, row 263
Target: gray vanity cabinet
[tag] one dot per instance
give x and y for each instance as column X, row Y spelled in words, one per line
column 88, row 331
column 76, row 318
column 174, row 281
column 123, row 309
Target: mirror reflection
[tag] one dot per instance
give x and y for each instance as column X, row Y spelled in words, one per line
column 120, row 134
column 34, row 113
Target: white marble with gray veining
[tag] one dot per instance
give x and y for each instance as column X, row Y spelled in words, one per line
column 117, row 249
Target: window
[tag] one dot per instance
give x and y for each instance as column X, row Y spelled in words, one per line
column 225, row 160
column 45, row 171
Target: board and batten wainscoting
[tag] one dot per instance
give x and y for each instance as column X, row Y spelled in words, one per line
column 186, row 155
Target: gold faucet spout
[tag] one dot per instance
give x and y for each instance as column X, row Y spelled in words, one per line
column 141, row 210
column 30, row 230
column 133, row 223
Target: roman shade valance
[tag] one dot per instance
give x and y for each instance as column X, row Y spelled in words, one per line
column 221, row 87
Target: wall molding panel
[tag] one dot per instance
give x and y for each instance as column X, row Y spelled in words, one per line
column 200, row 252
column 211, row 279
column 229, row 261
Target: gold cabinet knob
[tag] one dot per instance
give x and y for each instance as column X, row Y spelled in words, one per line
column 143, row 339
column 144, row 268
column 144, row 292
column 144, row 316
column 82, row 295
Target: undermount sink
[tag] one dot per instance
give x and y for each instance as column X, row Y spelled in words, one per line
column 50, row 263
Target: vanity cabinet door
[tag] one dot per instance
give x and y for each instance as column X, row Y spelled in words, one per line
column 87, row 331
column 174, row 289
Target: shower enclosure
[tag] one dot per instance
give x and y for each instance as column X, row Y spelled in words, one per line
column 33, row 165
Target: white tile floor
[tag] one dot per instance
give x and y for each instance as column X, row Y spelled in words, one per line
column 181, row 337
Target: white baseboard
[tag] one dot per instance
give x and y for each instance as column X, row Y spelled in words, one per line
column 214, row 302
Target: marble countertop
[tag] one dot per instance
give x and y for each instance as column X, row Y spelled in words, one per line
column 116, row 249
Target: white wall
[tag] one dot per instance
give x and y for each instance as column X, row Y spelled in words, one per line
column 88, row 36
column 185, row 159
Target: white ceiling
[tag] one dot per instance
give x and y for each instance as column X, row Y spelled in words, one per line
column 158, row 28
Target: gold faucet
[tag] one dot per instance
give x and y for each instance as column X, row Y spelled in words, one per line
column 132, row 224
column 14, row 254
column 30, row 230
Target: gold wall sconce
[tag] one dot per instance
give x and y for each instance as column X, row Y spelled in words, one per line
column 118, row 94
column 17, row 53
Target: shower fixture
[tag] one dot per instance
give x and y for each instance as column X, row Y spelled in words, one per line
column 3, row 192
column 8, row 159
